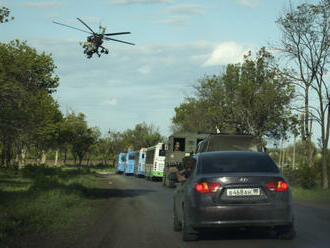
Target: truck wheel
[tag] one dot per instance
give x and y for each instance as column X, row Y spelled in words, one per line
column 188, row 233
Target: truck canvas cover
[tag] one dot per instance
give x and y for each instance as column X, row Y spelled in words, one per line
column 223, row 142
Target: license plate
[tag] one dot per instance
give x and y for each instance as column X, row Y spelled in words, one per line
column 243, row 192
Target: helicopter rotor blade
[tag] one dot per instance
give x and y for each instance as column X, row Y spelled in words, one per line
column 106, row 38
column 118, row 33
column 86, row 25
column 71, row 27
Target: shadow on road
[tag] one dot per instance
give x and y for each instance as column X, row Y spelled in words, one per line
column 111, row 193
column 237, row 234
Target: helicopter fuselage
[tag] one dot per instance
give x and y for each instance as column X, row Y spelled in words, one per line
column 95, row 40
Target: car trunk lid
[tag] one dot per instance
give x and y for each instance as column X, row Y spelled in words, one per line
column 242, row 188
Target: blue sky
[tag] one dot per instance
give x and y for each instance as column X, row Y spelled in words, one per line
column 177, row 42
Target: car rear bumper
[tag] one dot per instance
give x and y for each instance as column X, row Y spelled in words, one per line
column 240, row 216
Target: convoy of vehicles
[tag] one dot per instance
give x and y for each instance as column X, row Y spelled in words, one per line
column 231, row 182
column 162, row 161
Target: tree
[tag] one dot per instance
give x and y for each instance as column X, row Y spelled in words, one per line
column 192, row 115
column 306, row 42
column 25, row 75
column 252, row 98
column 79, row 136
column 43, row 126
column 4, row 15
column 143, row 135
column 94, row 147
column 110, row 146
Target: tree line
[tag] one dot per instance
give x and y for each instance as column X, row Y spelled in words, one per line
column 271, row 97
column 31, row 123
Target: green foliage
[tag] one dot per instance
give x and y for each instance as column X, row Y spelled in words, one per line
column 306, row 45
column 315, row 195
column 22, row 64
column 4, row 15
column 28, row 114
column 251, row 98
column 76, row 136
column 303, row 176
column 142, row 135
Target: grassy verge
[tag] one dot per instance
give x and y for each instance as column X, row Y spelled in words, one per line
column 103, row 170
column 38, row 199
column 315, row 195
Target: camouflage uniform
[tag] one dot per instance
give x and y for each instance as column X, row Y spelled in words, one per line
column 188, row 166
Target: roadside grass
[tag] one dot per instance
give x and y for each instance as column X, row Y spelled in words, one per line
column 36, row 199
column 317, row 195
column 104, row 170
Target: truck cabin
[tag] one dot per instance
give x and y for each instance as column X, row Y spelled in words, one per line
column 184, row 142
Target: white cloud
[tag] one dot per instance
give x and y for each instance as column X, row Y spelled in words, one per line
column 226, row 53
column 180, row 20
column 43, row 5
column 91, row 19
column 185, row 9
column 144, row 69
column 110, row 102
column 3, row 3
column 248, row 3
column 125, row 2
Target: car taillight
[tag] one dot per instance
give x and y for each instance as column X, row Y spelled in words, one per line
column 207, row 187
column 277, row 186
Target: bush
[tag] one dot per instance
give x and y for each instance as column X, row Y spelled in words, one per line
column 304, row 176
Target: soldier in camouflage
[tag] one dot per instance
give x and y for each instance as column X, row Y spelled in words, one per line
column 188, row 165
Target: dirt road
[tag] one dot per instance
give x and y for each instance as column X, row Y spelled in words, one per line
column 138, row 213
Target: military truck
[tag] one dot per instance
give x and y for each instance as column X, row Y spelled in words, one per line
column 211, row 142
column 179, row 144
column 230, row 142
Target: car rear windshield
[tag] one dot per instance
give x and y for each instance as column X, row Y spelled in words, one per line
column 233, row 162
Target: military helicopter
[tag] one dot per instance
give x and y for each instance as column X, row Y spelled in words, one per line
column 95, row 40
